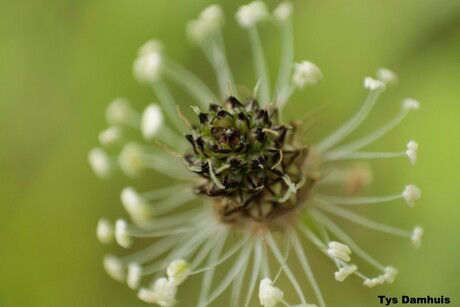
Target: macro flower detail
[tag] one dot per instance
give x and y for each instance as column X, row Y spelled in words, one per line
column 248, row 193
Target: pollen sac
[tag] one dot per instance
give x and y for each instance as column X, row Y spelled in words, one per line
column 249, row 163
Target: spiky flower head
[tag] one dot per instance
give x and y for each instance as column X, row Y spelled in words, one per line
column 250, row 187
column 251, row 164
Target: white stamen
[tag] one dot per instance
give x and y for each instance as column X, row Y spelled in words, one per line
column 121, row 233
column 162, row 293
column 411, row 151
column 248, row 15
column 131, row 159
column 100, row 162
column 105, row 231
column 110, row 136
column 387, row 76
column 372, row 282
column 152, row 121
column 390, row 274
column 410, row 104
column 306, row 74
column 134, row 275
column 283, row 12
column 410, row 194
column 118, row 112
column 416, row 236
column 137, row 207
column 339, row 251
column 147, row 67
column 344, row 272
column 374, row 85
column 178, row 271
column 269, row 295
column 114, row 267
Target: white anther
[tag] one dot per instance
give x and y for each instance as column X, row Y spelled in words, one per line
column 114, row 267
column 213, row 15
column 306, row 74
column 100, row 162
column 387, row 76
column 134, row 275
column 390, row 274
column 118, row 112
column 147, row 67
column 105, row 231
column 374, row 85
column 416, row 236
column 132, row 160
column 283, row 11
column 410, row 104
column 110, row 136
column 344, row 272
column 372, row 282
column 121, row 233
column 137, row 207
column 178, row 271
column 339, row 251
column 269, row 295
column 410, row 194
column 162, row 293
column 152, row 120
column 209, row 21
column 411, row 151
column 248, row 15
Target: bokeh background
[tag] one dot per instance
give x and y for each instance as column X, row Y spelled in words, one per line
column 63, row 61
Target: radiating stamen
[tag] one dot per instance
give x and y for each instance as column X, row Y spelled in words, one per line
column 339, row 134
column 279, row 257
column 306, row 267
column 370, row 138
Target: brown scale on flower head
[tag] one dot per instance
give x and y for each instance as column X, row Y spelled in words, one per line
column 253, row 167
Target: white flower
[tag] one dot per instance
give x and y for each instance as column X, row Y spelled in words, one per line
column 114, row 267
column 178, row 271
column 250, row 14
column 387, row 76
column 411, row 152
column 245, row 180
column 134, row 275
column 283, row 11
column 105, row 231
column 269, row 295
column 306, row 74
column 411, row 193
column 100, row 162
column 121, row 233
column 374, row 85
column 152, row 121
column 162, row 293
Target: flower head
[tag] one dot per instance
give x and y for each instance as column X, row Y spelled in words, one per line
column 241, row 181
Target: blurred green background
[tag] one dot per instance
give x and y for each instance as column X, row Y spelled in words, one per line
column 63, row 61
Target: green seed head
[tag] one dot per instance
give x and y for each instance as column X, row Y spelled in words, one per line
column 250, row 163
